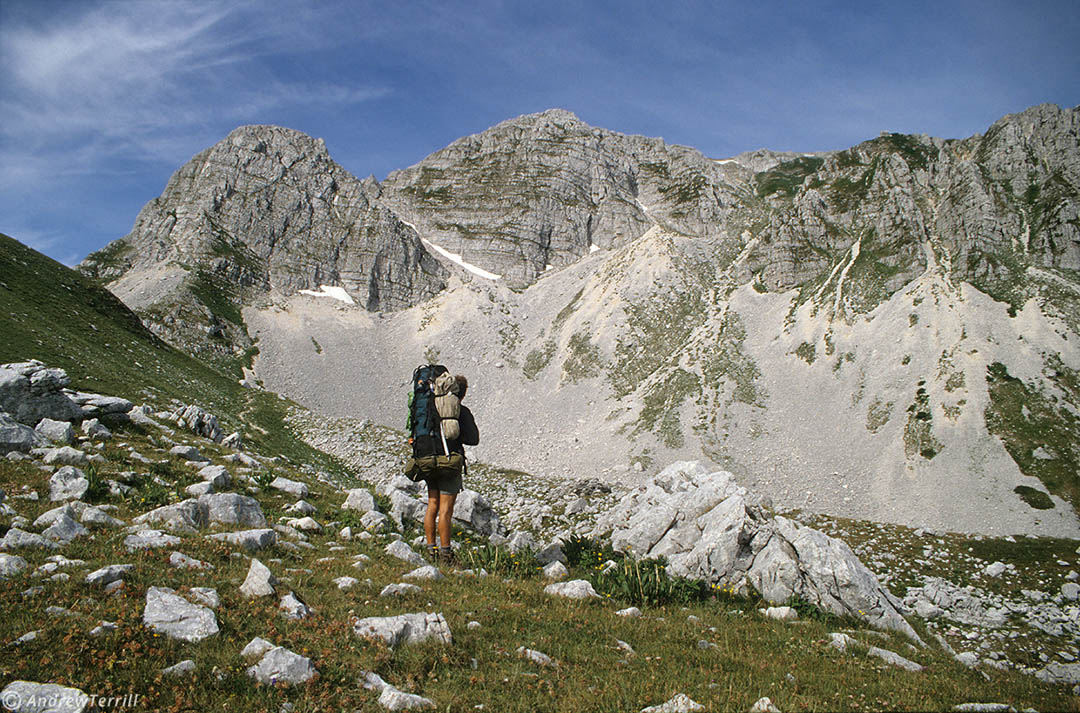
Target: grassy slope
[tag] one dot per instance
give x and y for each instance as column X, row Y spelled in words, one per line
column 54, row 314
column 750, row 656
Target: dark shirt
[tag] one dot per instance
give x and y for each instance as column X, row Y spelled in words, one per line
column 470, row 436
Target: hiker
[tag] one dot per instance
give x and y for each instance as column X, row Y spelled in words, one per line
column 443, row 490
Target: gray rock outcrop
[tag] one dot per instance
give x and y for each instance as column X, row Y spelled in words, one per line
column 31, row 697
column 710, row 528
column 168, row 613
column 280, row 665
column 404, row 629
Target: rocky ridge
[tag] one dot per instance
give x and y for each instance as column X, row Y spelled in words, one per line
column 695, row 308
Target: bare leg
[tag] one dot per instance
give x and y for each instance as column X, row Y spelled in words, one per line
column 433, row 502
column 446, row 517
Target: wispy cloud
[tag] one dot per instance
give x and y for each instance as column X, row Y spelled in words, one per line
column 142, row 81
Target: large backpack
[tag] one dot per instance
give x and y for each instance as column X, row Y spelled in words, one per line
column 429, row 431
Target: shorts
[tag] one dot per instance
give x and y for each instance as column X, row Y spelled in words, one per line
column 447, row 484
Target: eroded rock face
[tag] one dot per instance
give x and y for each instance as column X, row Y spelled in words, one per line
column 710, row 528
column 267, row 208
column 545, row 189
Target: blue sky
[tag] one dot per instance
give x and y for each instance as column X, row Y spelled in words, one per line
column 102, row 101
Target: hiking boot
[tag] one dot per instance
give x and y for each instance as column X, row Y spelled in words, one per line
column 446, row 556
column 432, row 553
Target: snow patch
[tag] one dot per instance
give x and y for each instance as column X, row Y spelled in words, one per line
column 337, row 293
column 457, row 259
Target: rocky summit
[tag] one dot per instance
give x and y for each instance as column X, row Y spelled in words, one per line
column 887, row 332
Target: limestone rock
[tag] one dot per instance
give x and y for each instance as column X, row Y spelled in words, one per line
column 679, row 703
column 359, row 499
column 390, row 697
column 894, row 658
column 398, row 589
column 55, row 431
column 280, row 665
column 537, row 657
column 708, row 527
column 149, row 539
column 188, row 453
column 15, row 436
column 427, row 573
column 292, row 487
column 475, row 512
column 170, row 614
column 292, row 608
column 108, row 574
column 404, row 629
column 260, row 582
column 233, row 509
column 181, row 561
column 29, row 392
column 68, row 483
column 30, row 697
column 251, row 540
column 403, row 552
column 574, row 589
column 11, row 565
column 185, row 667
column 256, row 648
column 17, row 539
column 65, row 455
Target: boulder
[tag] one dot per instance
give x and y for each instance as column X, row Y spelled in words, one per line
column 398, row 589
column 17, row 539
column 427, row 572
column 360, row 499
column 11, row 565
column 216, row 475
column 93, row 429
column 64, row 530
column 68, row 483
column 679, row 703
column 185, row 667
column 256, row 648
column 168, row 613
column 233, row 509
column 98, row 517
column 537, row 657
column 250, row 540
column 65, row 455
column 894, row 658
column 199, row 422
column 108, row 574
column 474, row 511
column 189, row 453
column 292, row 608
column 30, row 392
column 374, row 521
column 574, row 589
column 710, row 528
column 279, row 665
column 30, row 697
column 15, row 436
column 149, row 539
column 391, row 698
column 181, row 561
column 292, row 487
column 186, row 516
column 404, row 629
column 403, row 552
column 55, row 431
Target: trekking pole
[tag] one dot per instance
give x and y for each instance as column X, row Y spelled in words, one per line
column 445, row 450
